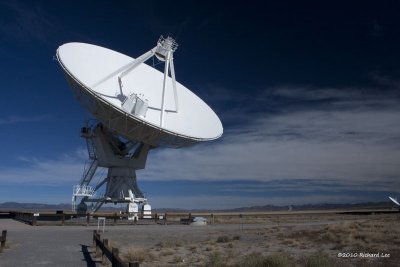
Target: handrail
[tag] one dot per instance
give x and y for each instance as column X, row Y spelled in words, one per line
column 112, row 254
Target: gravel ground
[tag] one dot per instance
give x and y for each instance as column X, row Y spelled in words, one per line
column 318, row 239
column 211, row 245
column 46, row 245
column 300, row 239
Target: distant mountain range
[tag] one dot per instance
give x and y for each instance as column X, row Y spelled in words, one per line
column 66, row 207
column 323, row 206
column 33, row 206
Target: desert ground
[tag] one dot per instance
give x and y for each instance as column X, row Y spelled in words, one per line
column 294, row 240
column 274, row 240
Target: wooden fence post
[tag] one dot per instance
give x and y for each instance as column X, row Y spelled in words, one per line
column 165, row 219
column 115, row 218
column 115, row 253
column 94, row 237
column 212, row 218
column 112, row 254
column 105, row 244
column 3, row 240
column 34, row 221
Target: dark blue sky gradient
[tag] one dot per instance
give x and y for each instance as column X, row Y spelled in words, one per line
column 288, row 74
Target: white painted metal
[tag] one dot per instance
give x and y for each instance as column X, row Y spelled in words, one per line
column 133, row 207
column 198, row 221
column 137, row 62
column 164, row 87
column 80, row 191
column 122, row 161
column 101, row 220
column 146, row 210
column 137, row 102
column 83, row 191
column 394, row 200
column 128, row 66
column 95, row 73
column 174, row 84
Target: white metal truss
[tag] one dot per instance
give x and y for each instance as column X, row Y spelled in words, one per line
column 164, row 52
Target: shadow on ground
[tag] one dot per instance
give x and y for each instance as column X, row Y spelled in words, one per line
column 87, row 256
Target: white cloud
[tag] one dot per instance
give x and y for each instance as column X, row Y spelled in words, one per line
column 351, row 144
column 66, row 169
column 354, row 146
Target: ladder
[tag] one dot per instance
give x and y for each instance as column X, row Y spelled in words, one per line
column 89, row 172
column 91, row 165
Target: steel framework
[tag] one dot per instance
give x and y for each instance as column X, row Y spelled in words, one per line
column 121, row 158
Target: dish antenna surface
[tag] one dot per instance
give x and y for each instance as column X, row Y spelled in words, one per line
column 137, row 108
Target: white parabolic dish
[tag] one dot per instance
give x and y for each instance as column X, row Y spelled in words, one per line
column 85, row 65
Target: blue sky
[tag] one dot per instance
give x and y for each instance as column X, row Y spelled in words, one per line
column 308, row 95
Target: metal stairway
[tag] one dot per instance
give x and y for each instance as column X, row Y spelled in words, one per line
column 91, row 147
column 83, row 189
column 91, row 165
column 89, row 172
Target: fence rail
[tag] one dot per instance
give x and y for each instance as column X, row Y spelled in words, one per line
column 112, row 254
column 113, row 218
column 3, row 239
column 70, row 218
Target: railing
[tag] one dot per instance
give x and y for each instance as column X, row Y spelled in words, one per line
column 72, row 218
column 91, row 148
column 112, row 254
column 89, row 171
column 3, row 239
column 113, row 218
column 83, row 191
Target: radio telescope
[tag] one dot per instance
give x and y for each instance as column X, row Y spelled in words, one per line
column 137, row 108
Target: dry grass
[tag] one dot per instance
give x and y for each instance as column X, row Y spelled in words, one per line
column 177, row 259
column 167, row 252
column 301, row 244
column 138, row 254
column 112, row 244
column 273, row 260
column 171, row 243
column 209, row 248
column 321, row 259
column 236, row 237
column 223, row 239
column 360, row 235
column 215, row 259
